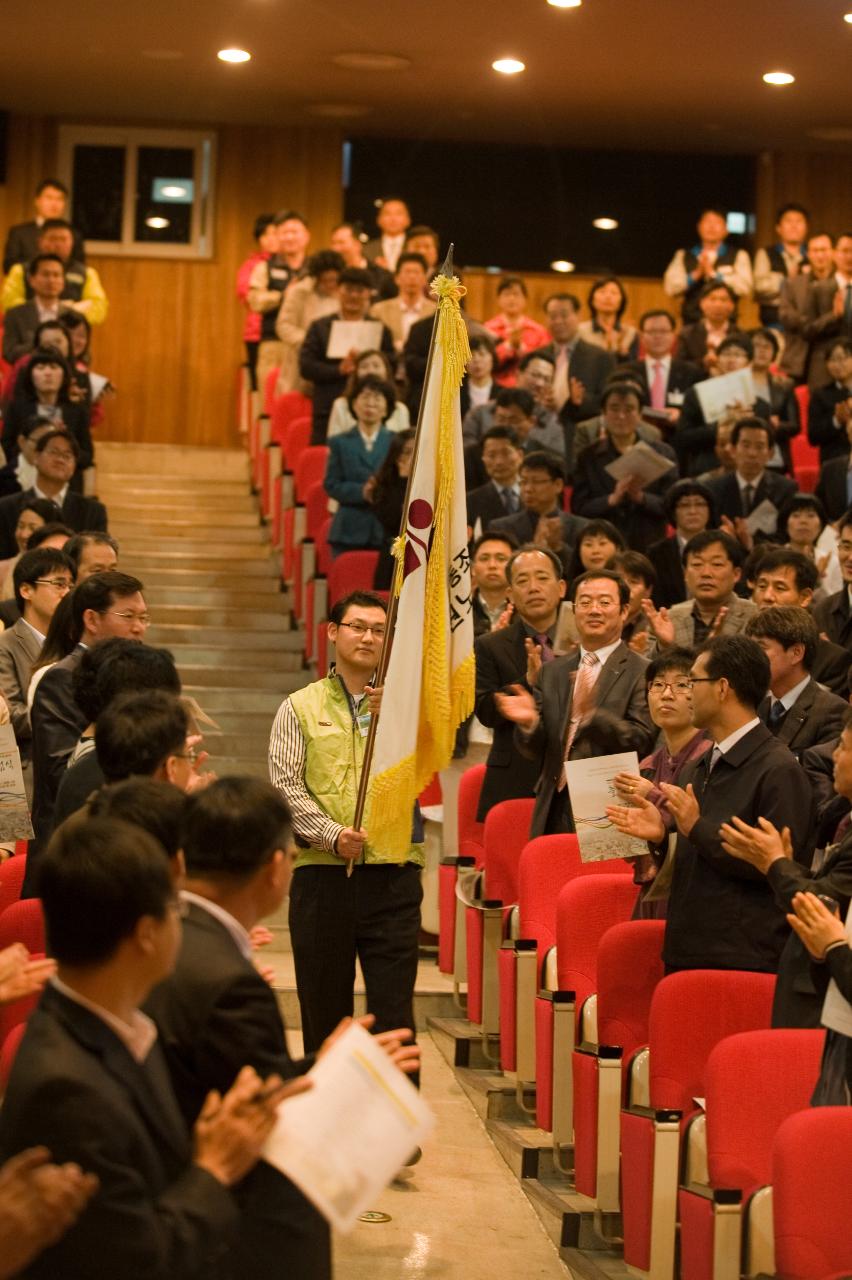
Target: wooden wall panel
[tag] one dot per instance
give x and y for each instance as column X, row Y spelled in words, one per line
column 172, row 341
column 821, row 181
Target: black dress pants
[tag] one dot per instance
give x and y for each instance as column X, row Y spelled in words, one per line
column 375, row 915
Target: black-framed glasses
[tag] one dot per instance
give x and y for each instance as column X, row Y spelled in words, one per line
column 703, row 680
column 684, row 685
column 59, row 584
column 361, row 629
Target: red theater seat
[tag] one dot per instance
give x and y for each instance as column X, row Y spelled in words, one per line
column 471, row 835
column 812, row 1202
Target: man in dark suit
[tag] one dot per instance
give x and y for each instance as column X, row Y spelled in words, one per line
column 587, row 704
column 699, row 341
column 751, row 483
column 787, row 577
column 489, row 555
column 107, row 604
column 830, row 405
column 801, row 985
column 793, row 303
column 393, row 220
column 833, row 615
column 580, row 368
column 89, row 1081
column 536, row 587
column 691, row 508
column 22, row 240
column 664, row 379
column 721, row 912
column 501, row 456
column 829, row 314
column 56, row 457
column 541, row 518
column 215, row 1012
column 46, row 279
column 834, row 486
column 329, row 376
column 797, row 711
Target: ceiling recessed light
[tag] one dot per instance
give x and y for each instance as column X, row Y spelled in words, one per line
column 779, row 77
column 371, row 61
column 605, row 224
column 157, row 224
column 847, row 17
column 508, row 66
column 561, row 264
column 565, row 4
column 233, row 55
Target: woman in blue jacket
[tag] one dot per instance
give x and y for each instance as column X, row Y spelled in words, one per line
column 353, row 460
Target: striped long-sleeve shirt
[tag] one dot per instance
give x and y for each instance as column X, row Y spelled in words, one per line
column 287, row 757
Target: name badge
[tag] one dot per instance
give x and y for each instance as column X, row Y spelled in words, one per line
column 363, row 722
column 675, row 398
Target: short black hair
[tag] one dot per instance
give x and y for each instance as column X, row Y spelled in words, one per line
column 499, row 433
column 741, row 661
column 233, row 827
column 51, row 182
column 845, row 521
column 509, row 397
column 324, row 260
column 753, row 423
column 654, row 313
column 355, row 599
column 509, row 282
column 370, row 382
column 543, row 460
column 358, row 276
column 571, row 298
column 51, row 529
column 97, row 880
column 117, row 666
column 41, row 506
column 788, row 625
column 58, row 433
column 75, row 547
column 622, row 387
column 556, row 563
column 805, row 572
column 35, row 262
column 100, row 592
column 634, row 564
column 494, row 535
column 736, row 341
column 38, row 563
column 599, row 284
column 791, row 207
column 768, row 335
column 56, row 224
column 411, row 257
column 137, row 733
column 483, row 342
column 674, row 659
column 708, row 538
column 537, row 354
column 800, row 502
column 289, row 215
column 591, row 575
column 689, row 489
column 261, row 222
column 712, row 285
column 155, row 806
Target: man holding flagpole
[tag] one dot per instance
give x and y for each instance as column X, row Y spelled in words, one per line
column 351, row 777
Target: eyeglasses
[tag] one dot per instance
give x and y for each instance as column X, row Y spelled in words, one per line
column 361, row 630
column 129, row 616
column 59, row 584
column 676, row 686
column 191, row 754
column 58, row 453
column 703, row 680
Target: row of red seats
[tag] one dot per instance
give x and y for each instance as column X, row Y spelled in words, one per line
column 21, row 921
column 668, row 1098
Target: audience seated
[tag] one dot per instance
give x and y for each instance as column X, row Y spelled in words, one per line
column 328, row 376
column 378, row 364
column 515, row 333
column 514, row 409
column 33, row 515
column 411, row 304
column 353, row 461
column 304, row 301
column 82, row 289
column 781, row 261
column 711, row 260
column 393, row 220
column 91, row 552
column 633, row 507
column 607, row 303
column 43, row 390
column 541, row 519
column 691, row 508
column 56, row 458
column 829, row 314
column 50, row 200
column 793, row 303
column 90, row 1084
column 830, row 407
column 269, row 280
column 581, row 369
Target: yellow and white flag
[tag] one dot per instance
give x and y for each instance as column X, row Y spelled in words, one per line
column 429, row 684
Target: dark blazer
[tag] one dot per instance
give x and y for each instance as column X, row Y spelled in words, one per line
column 486, row 505
column 722, row 914
column 792, row 311
column 76, row 1089
column 821, row 328
column 22, row 245
column 523, row 525
column 833, row 442
column 639, row 522
column 816, row 716
column 620, row 723
column 831, row 667
column 75, row 417
column 350, row 465
column 19, row 326
column 682, row 375
column 592, row 366
column 77, row 512
column 328, row 382
column 831, row 487
column 19, row 651
column 784, row 406
column 77, row 783
column 57, row 723
column 832, row 617
column 665, row 556
column 692, row 344
column 798, row 997
column 501, row 660
column 215, row 1014
column 694, row 438
column 726, row 490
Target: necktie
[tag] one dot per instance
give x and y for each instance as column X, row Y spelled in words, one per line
column 581, row 702
column 715, row 757
column 560, row 378
column 748, row 499
column 777, row 712
column 658, row 387
column 543, row 639
column 510, row 500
